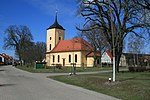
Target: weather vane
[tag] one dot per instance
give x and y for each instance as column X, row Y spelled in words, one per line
column 56, row 9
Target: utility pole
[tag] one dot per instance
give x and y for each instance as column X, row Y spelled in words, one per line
column 112, row 31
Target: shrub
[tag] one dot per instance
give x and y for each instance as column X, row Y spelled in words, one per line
column 137, row 69
column 59, row 66
column 148, row 69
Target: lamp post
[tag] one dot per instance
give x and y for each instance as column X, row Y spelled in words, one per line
column 112, row 32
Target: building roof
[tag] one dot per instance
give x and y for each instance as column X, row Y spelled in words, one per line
column 91, row 54
column 6, row 56
column 109, row 54
column 76, row 44
column 146, row 57
column 56, row 25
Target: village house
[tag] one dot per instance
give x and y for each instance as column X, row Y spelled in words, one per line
column 5, row 59
column 107, row 57
column 133, row 59
column 127, row 59
column 1, row 59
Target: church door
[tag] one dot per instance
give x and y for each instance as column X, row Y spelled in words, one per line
column 63, row 62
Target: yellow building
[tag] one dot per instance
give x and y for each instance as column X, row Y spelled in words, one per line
column 66, row 52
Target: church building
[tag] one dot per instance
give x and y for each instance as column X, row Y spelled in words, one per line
column 67, row 52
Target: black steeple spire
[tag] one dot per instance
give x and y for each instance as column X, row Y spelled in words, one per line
column 56, row 25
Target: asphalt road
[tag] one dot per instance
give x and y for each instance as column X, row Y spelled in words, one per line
column 16, row 84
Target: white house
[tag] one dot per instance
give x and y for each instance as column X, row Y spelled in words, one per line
column 1, row 59
column 5, row 59
column 106, row 57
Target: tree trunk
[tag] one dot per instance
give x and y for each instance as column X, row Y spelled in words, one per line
column 100, row 61
column 118, row 52
column 117, row 62
column 19, row 55
column 94, row 56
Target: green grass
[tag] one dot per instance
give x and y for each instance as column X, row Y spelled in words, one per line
column 63, row 70
column 129, row 86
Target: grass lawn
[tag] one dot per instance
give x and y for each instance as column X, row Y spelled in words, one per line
column 63, row 70
column 129, row 86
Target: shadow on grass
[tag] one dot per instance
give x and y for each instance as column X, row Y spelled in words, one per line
column 5, row 85
column 1, row 70
column 135, row 76
column 127, row 79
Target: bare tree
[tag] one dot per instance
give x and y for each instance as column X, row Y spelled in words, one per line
column 34, row 52
column 142, row 15
column 116, row 15
column 17, row 38
column 143, row 3
column 40, row 49
column 97, row 40
column 135, row 44
column 135, row 47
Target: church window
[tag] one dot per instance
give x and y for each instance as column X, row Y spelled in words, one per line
column 69, row 58
column 75, row 57
column 59, row 38
column 58, row 58
column 50, row 47
column 50, row 38
column 53, row 58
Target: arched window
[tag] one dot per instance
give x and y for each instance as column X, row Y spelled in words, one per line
column 69, row 58
column 58, row 58
column 50, row 47
column 50, row 38
column 75, row 57
column 59, row 38
column 53, row 58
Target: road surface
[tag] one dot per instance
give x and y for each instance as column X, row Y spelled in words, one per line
column 16, row 84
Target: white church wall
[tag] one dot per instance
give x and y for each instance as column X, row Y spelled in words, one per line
column 64, row 58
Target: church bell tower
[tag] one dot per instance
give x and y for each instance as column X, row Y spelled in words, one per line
column 55, row 33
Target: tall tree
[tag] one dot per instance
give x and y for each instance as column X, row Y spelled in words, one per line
column 135, row 47
column 34, row 52
column 18, row 37
column 115, row 20
column 135, row 44
column 97, row 40
column 143, row 3
column 40, row 49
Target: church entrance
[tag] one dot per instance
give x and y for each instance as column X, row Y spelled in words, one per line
column 63, row 61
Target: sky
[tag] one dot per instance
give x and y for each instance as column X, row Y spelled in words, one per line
column 38, row 15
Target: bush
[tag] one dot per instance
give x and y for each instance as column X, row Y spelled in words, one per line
column 137, row 69
column 59, row 66
column 1, row 63
column 148, row 69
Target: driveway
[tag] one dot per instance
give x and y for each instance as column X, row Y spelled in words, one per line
column 16, row 84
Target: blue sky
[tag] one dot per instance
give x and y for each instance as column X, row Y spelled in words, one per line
column 38, row 15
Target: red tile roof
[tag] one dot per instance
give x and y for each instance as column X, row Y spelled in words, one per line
column 77, row 44
column 6, row 56
column 146, row 57
column 91, row 54
column 109, row 54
